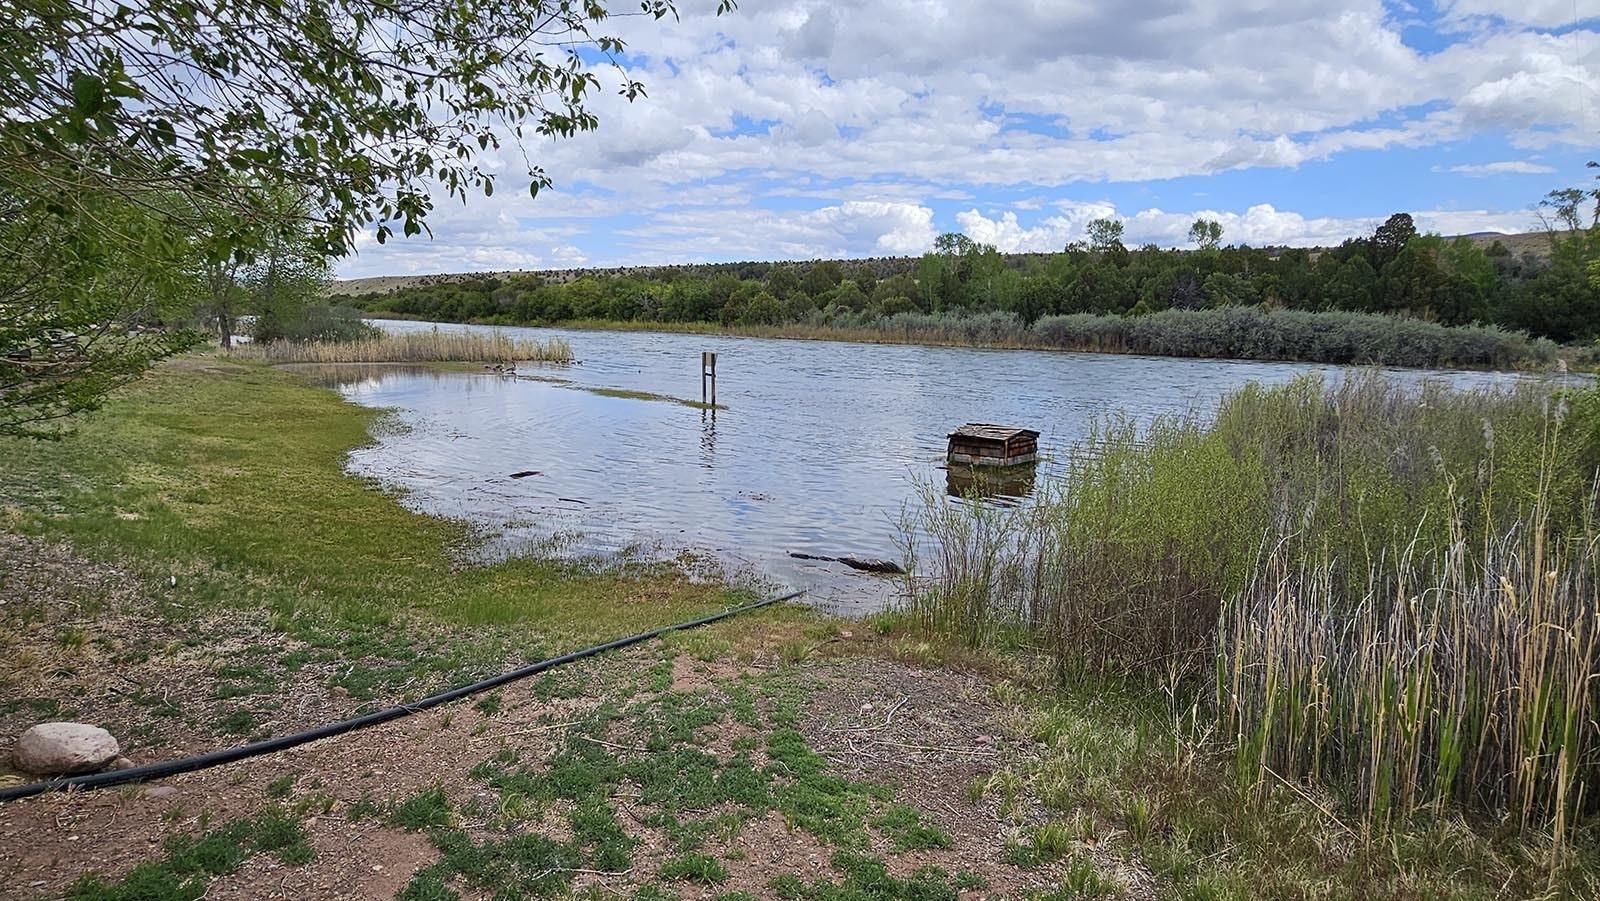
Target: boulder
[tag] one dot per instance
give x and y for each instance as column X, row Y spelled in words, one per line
column 61, row 749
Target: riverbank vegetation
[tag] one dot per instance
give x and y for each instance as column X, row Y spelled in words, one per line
column 1396, row 297
column 1228, row 332
column 281, row 593
column 1379, row 597
column 432, row 346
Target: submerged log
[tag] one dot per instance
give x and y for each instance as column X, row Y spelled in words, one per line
column 865, row 564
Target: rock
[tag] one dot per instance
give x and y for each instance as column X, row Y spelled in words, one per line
column 60, row 749
column 121, row 763
column 160, row 791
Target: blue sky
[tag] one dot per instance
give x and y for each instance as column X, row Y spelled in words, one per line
column 796, row 129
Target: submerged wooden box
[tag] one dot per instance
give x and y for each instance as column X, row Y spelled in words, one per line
column 982, row 444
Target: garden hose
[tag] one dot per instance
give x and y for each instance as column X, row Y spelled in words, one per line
column 216, row 758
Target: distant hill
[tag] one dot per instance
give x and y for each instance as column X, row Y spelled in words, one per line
column 1536, row 243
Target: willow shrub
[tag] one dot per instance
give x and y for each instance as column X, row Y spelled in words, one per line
column 1250, row 333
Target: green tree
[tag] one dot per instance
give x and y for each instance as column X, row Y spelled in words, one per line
column 171, row 106
column 80, row 309
column 1206, row 234
column 763, row 309
column 782, row 281
column 1105, row 234
column 287, row 277
column 1390, row 238
column 820, row 277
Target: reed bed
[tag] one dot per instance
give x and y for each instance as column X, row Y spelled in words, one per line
column 1462, row 675
column 1395, row 588
column 433, row 346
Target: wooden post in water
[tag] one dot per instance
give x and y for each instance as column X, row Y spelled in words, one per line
column 708, row 375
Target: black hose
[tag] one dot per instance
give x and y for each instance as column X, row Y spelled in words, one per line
column 215, row 758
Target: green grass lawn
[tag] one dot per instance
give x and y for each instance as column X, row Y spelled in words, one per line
column 230, row 478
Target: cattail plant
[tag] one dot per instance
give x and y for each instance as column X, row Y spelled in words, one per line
column 1396, row 587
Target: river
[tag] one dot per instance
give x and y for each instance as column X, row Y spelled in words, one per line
column 819, row 447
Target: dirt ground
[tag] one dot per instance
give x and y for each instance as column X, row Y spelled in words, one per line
column 86, row 640
column 928, row 735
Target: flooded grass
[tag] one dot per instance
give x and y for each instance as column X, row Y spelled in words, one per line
column 433, row 346
column 646, row 395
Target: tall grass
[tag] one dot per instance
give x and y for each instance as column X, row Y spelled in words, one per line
column 1395, row 588
column 1459, row 674
column 431, row 346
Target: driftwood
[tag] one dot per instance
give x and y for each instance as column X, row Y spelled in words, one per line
column 865, row 564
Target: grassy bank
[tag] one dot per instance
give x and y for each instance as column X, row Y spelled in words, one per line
column 230, row 479
column 1246, row 333
column 1383, row 597
column 410, row 347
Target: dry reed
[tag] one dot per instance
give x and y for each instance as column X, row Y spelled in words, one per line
column 432, row 346
column 1462, row 677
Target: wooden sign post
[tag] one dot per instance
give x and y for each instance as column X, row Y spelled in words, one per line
column 708, row 376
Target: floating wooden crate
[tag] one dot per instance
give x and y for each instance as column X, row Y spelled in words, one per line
column 982, row 444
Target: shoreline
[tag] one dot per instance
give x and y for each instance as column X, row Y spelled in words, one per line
column 872, row 337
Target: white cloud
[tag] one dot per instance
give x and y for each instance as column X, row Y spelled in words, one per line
column 1258, row 226
column 1504, row 167
column 856, row 228
column 1538, row 13
column 901, row 103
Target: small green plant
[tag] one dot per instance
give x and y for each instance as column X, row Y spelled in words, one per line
column 74, row 638
column 1053, row 841
column 238, row 722
column 1138, row 817
column 903, row 825
column 192, row 859
column 699, row 868
column 424, row 810
column 1083, row 879
column 280, row 787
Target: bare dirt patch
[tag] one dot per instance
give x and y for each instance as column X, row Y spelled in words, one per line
column 926, row 735
column 81, row 640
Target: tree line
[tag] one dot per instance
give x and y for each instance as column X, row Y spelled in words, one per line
column 1395, row 270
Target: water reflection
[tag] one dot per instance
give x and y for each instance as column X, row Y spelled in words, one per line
column 1008, row 486
column 708, row 437
column 816, row 449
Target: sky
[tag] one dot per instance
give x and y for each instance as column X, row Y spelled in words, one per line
column 805, row 129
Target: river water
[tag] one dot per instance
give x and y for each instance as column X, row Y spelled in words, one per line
column 819, row 448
